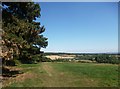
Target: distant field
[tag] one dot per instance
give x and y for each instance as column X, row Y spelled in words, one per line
column 54, row 57
column 65, row 75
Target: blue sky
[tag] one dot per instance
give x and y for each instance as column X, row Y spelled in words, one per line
column 80, row 26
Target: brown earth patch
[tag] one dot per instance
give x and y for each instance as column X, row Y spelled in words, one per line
column 19, row 78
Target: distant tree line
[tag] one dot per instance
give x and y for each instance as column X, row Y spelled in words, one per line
column 80, row 57
column 107, row 59
column 100, row 58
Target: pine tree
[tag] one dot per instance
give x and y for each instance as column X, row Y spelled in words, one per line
column 21, row 34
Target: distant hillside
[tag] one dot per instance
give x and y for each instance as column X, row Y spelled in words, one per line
column 61, row 53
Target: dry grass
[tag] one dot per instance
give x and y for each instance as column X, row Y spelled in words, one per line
column 54, row 57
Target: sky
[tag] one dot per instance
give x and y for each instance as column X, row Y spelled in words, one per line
column 80, row 27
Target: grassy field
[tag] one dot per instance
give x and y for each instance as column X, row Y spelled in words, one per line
column 65, row 75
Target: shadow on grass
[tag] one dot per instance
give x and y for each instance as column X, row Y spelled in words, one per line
column 6, row 72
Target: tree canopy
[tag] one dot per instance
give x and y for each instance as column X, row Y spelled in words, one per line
column 22, row 35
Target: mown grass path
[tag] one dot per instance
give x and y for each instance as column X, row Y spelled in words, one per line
column 65, row 75
column 53, row 78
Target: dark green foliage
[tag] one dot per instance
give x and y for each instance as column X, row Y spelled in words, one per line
column 61, row 60
column 45, row 59
column 83, row 57
column 10, row 63
column 100, row 58
column 21, row 32
column 107, row 59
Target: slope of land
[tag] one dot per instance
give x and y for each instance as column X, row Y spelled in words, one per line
column 65, row 74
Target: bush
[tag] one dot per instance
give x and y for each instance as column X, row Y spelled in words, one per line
column 45, row 59
column 60, row 60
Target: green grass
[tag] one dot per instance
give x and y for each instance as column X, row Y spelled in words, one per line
column 104, row 75
column 66, row 75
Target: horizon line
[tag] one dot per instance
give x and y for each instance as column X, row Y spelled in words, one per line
column 78, row 52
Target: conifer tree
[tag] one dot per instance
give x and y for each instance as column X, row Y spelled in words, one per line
column 21, row 34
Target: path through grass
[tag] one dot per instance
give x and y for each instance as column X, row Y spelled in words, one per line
column 65, row 75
